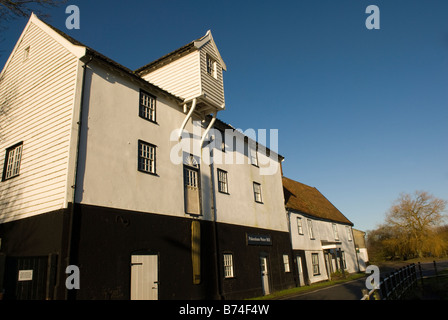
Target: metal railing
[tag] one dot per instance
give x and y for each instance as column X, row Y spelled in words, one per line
column 395, row 285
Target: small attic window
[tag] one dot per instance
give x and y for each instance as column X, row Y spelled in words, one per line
column 211, row 67
column 26, row 53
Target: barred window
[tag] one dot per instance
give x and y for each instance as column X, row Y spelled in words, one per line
column 222, row 181
column 147, row 106
column 228, row 265
column 146, row 157
column 12, row 162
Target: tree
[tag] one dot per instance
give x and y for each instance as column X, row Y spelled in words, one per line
column 11, row 9
column 414, row 220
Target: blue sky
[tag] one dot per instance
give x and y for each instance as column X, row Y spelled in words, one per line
column 362, row 114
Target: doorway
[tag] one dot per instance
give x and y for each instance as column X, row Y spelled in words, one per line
column 300, row 270
column 144, row 277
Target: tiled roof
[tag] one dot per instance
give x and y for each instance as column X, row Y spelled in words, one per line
column 308, row 200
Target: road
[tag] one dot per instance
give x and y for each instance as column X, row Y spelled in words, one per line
column 353, row 290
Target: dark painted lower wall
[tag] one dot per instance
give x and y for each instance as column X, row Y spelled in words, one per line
column 109, row 237
column 104, row 239
column 28, row 243
column 247, row 281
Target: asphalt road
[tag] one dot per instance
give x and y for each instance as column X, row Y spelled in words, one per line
column 353, row 290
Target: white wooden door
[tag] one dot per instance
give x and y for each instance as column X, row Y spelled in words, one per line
column 264, row 275
column 144, row 277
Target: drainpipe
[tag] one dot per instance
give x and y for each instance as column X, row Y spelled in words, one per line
column 208, row 128
column 70, row 248
column 215, row 231
column 193, row 106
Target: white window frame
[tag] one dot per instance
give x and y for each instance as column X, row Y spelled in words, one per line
column 13, row 160
column 211, row 66
column 300, row 225
column 310, row 228
column 344, row 262
column 315, row 263
column 223, row 182
column 253, row 156
column 26, row 53
column 228, row 265
column 349, row 233
column 286, row 263
column 147, row 154
column 335, row 231
column 257, row 192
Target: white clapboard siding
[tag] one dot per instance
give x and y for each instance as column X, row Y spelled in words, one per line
column 37, row 97
column 180, row 77
column 211, row 86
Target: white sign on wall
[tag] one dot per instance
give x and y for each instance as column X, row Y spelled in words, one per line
column 25, row 275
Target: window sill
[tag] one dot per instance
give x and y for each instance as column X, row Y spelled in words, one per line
column 149, row 120
column 149, row 173
column 10, row 178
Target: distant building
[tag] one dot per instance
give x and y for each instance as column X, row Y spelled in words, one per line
column 321, row 236
column 361, row 248
column 90, row 179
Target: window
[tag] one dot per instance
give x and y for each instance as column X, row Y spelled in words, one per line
column 11, row 167
column 192, row 184
column 211, row 67
column 228, row 265
column 147, row 106
column 257, row 192
column 286, row 262
column 299, row 225
column 191, row 178
column 315, row 262
column 335, row 231
column 253, row 156
column 349, row 233
column 310, row 228
column 146, row 157
column 26, row 53
column 223, row 140
column 222, row 181
column 344, row 265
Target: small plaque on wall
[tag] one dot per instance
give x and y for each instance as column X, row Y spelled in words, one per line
column 25, row 275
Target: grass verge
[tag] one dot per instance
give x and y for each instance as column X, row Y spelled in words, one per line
column 279, row 294
column 433, row 288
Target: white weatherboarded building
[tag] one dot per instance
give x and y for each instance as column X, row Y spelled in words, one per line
column 93, row 176
column 321, row 236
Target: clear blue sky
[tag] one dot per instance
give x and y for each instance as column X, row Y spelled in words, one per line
column 362, row 114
